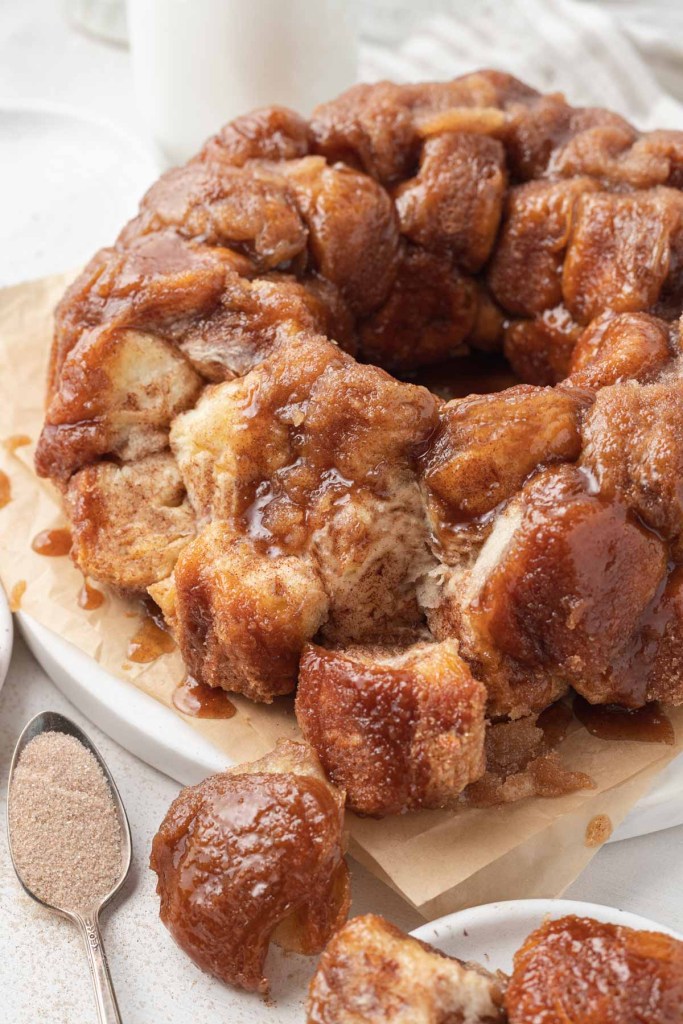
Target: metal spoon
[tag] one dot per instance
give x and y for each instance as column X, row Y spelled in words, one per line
column 88, row 921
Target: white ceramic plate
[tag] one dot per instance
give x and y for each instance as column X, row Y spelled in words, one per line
column 162, row 739
column 6, row 636
column 69, row 183
column 493, row 933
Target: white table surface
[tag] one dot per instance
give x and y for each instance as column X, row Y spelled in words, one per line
column 43, row 976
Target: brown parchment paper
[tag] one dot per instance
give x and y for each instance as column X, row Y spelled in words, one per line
column 439, row 861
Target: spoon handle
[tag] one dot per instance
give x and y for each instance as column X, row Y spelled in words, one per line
column 107, row 1007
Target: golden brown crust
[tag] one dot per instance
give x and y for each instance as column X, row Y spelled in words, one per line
column 595, row 554
column 455, row 202
column 620, row 251
column 525, row 272
column 250, row 855
column 397, row 729
column 578, row 971
column 429, row 312
column 487, row 446
column 271, row 133
column 372, row 973
column 615, row 348
column 241, row 619
column 645, row 473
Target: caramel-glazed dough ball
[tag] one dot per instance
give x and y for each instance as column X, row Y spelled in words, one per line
column 397, row 730
column 253, row 854
column 224, row 427
column 579, row 971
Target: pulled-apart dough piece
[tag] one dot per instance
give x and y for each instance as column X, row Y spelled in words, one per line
column 569, row 589
column 397, row 729
column 454, row 204
column 620, row 251
column 252, row 210
column 253, row 854
column 628, row 346
column 129, row 522
column 372, row 973
column 313, row 455
column 240, row 617
column 487, row 445
column 646, row 472
column 121, row 389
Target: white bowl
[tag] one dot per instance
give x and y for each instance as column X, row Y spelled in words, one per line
column 491, row 934
column 6, row 635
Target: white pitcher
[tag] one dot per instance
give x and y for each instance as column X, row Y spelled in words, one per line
column 199, row 63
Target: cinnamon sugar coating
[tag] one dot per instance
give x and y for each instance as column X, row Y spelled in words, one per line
column 252, row 855
column 372, row 973
column 224, row 441
column 403, row 729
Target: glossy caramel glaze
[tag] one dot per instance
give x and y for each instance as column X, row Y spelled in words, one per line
column 16, row 441
column 579, row 971
column 227, row 436
column 648, row 724
column 396, row 730
column 5, row 489
column 606, row 566
column 598, row 830
column 201, row 701
column 149, row 642
column 90, row 598
column 243, row 855
column 16, row 594
column 372, row 973
column 53, row 543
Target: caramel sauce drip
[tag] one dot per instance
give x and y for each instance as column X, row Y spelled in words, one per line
column 5, row 489
column 202, row 701
column 16, row 594
column 648, row 724
column 16, row 441
column 52, row 543
column 598, row 830
column 89, row 597
column 149, row 642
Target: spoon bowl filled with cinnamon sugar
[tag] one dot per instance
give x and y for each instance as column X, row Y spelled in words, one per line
column 68, row 834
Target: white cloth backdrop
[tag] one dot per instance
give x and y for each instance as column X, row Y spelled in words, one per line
column 619, row 54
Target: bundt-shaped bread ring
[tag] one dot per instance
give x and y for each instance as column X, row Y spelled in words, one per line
column 253, row 854
column 223, row 441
